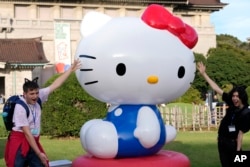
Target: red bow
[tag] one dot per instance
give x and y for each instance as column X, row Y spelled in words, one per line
column 157, row 16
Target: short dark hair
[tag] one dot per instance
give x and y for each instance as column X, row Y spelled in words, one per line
column 242, row 94
column 30, row 85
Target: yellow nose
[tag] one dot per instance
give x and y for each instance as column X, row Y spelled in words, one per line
column 152, row 79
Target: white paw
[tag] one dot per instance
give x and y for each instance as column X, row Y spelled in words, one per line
column 99, row 138
column 148, row 127
column 170, row 133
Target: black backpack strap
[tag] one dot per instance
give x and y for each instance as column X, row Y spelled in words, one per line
column 22, row 103
column 39, row 101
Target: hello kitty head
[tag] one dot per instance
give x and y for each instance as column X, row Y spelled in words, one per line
column 130, row 60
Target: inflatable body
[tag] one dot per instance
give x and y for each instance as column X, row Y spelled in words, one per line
column 133, row 64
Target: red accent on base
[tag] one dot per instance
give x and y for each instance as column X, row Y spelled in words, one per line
column 164, row 158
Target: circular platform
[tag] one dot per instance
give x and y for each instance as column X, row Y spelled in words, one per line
column 164, row 158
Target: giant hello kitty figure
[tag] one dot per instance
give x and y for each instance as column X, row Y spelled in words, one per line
column 133, row 64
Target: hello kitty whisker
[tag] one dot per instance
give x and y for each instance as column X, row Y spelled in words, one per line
column 87, row 56
column 89, row 83
column 86, row 69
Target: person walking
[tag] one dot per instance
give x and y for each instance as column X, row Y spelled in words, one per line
column 23, row 147
column 235, row 122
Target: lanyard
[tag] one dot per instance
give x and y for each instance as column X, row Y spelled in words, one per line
column 33, row 112
column 233, row 116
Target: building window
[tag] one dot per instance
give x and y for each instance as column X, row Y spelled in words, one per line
column 113, row 12
column 67, row 12
column 132, row 12
column 21, row 11
column 88, row 9
column 45, row 12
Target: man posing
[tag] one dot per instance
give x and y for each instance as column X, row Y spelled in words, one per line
column 23, row 147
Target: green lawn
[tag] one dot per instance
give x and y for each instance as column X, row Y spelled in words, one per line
column 183, row 106
column 199, row 147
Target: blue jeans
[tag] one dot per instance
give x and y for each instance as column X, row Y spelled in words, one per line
column 31, row 159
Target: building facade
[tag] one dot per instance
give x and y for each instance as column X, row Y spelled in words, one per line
column 57, row 22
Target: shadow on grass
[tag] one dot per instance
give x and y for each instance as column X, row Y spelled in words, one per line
column 199, row 154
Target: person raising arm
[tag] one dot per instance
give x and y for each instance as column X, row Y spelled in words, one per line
column 202, row 69
column 23, row 146
column 233, row 125
column 60, row 80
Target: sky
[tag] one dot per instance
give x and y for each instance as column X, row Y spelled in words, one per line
column 233, row 19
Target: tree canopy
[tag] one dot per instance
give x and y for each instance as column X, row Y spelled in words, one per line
column 227, row 64
column 68, row 108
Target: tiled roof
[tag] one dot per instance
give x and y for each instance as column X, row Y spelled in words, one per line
column 205, row 2
column 22, row 51
column 204, row 5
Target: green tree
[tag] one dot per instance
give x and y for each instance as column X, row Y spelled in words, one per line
column 199, row 83
column 248, row 93
column 226, row 66
column 68, row 108
column 192, row 95
column 226, row 69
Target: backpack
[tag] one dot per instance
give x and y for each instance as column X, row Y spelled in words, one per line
column 8, row 110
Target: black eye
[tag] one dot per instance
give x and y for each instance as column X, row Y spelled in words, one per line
column 121, row 69
column 181, row 72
